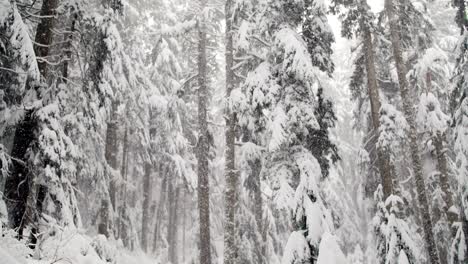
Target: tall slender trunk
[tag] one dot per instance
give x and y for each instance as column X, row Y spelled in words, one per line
column 123, row 218
column 159, row 213
column 112, row 151
column 203, row 144
column 464, row 223
column 18, row 184
column 412, row 134
column 256, row 167
column 439, row 141
column 231, row 173
column 443, row 176
column 172, row 226
column 383, row 158
column 184, row 204
column 146, row 206
column 68, row 39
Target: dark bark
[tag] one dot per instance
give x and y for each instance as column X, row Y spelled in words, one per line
column 383, row 158
column 203, row 144
column 447, row 194
column 256, row 167
column 44, row 33
column 231, row 172
column 184, row 203
column 408, row 111
column 172, row 226
column 146, row 206
column 111, row 152
column 122, row 222
column 159, row 214
column 68, row 49
column 104, row 221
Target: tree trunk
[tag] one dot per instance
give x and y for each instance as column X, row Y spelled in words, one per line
column 231, row 173
column 18, row 184
column 112, row 151
column 146, row 206
column 159, row 213
column 68, row 39
column 172, row 227
column 184, row 203
column 203, row 144
column 412, row 136
column 464, row 223
column 122, row 221
column 446, row 191
column 383, row 158
column 256, row 167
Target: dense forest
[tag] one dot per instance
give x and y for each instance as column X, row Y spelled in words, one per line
column 234, row 131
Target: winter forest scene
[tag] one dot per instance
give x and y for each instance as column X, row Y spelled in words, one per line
column 233, row 131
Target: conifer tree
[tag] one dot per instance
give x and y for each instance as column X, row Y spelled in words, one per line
column 427, row 222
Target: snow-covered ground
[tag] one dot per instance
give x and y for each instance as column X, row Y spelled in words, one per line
column 70, row 246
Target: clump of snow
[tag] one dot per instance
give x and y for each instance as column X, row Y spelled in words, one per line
column 403, row 258
column 283, row 196
column 297, row 60
column 329, row 251
column 276, row 126
column 242, row 37
column 297, row 248
column 430, row 116
column 5, row 256
column 23, row 45
column 393, row 126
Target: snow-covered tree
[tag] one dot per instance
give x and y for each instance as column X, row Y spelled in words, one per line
column 396, row 242
column 279, row 104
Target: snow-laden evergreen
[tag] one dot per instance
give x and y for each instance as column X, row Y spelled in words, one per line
column 236, row 131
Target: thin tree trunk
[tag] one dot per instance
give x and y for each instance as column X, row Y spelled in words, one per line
column 383, row 158
column 231, row 173
column 443, row 176
column 122, row 222
column 439, row 145
column 184, row 203
column 256, row 167
column 68, row 48
column 170, row 222
column 18, row 184
column 112, row 151
column 464, row 223
column 203, row 144
column 159, row 213
column 412, row 136
column 146, row 206
column 173, row 227
column 446, row 191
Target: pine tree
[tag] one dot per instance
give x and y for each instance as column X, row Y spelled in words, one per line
column 395, row 240
column 26, row 133
column 282, row 85
column 358, row 21
column 412, row 134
